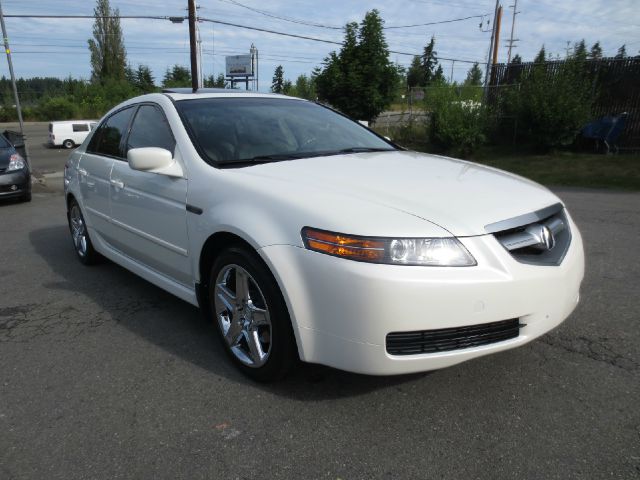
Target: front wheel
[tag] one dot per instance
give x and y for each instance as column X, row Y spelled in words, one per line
column 251, row 315
column 68, row 144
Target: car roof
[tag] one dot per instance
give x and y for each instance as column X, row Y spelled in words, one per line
column 188, row 93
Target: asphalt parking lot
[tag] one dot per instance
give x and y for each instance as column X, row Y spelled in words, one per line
column 105, row 376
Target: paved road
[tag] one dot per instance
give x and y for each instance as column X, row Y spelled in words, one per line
column 103, row 375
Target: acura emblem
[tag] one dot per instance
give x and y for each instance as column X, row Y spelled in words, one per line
column 546, row 237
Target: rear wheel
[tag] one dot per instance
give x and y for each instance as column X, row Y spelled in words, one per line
column 80, row 235
column 251, row 315
column 68, row 144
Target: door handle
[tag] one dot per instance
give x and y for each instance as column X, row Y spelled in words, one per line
column 117, row 183
column 82, row 172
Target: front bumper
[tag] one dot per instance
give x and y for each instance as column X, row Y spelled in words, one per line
column 342, row 310
column 15, row 184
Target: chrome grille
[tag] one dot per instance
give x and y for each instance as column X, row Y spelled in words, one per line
column 543, row 241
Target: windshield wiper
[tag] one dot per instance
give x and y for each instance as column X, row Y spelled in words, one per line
column 279, row 157
column 259, row 159
column 364, row 149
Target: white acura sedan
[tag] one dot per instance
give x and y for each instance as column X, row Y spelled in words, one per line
column 302, row 234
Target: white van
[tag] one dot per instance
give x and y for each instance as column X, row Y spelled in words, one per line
column 70, row 133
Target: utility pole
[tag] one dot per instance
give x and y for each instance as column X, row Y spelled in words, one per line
column 13, row 77
column 513, row 24
column 193, row 45
column 453, row 62
column 493, row 32
column 496, row 42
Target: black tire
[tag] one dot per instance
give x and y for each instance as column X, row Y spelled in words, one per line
column 68, row 144
column 26, row 197
column 282, row 352
column 82, row 246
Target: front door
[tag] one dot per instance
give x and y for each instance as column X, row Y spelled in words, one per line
column 148, row 210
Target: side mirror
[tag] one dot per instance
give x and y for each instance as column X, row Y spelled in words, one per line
column 154, row 160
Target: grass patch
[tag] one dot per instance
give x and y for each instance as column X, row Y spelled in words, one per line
column 556, row 168
column 568, row 168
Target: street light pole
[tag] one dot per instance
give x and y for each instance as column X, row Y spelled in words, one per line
column 13, row 77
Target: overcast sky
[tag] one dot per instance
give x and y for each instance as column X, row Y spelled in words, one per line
column 58, row 47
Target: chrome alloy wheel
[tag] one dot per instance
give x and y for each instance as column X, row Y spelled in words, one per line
column 243, row 315
column 78, row 230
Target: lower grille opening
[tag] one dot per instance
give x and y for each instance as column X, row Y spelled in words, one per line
column 446, row 339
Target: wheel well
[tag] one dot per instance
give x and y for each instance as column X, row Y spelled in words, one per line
column 70, row 198
column 212, row 248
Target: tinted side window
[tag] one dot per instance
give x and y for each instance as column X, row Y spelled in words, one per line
column 106, row 140
column 150, row 129
column 80, row 127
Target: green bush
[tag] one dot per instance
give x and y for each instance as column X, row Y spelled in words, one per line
column 57, row 108
column 457, row 118
column 550, row 108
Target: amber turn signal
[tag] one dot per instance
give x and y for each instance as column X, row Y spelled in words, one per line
column 346, row 246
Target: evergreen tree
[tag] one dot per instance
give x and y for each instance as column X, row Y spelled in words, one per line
column 415, row 76
column 622, row 52
column 287, row 87
column 215, row 82
column 596, row 51
column 129, row 74
column 177, row 76
column 541, row 57
column 360, row 80
column 304, row 88
column 428, row 61
column 438, row 76
column 580, row 50
column 108, row 55
column 144, row 79
column 474, row 75
column 516, row 59
column 277, row 84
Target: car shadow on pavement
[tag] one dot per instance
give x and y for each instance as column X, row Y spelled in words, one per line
column 112, row 294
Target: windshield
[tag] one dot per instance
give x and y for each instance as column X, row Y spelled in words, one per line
column 230, row 131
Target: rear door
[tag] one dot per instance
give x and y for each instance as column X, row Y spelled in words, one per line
column 94, row 169
column 148, row 209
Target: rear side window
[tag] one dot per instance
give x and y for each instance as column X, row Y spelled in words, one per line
column 150, row 129
column 80, row 127
column 106, row 140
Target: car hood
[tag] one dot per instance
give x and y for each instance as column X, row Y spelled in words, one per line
column 461, row 197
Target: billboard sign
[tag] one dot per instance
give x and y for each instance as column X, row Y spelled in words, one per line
column 239, row 66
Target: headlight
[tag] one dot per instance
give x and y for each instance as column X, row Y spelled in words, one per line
column 437, row 252
column 16, row 162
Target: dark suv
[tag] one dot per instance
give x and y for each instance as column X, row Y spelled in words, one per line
column 15, row 177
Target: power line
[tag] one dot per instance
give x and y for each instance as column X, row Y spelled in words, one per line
column 333, row 27
column 481, row 17
column 280, row 17
column 220, row 22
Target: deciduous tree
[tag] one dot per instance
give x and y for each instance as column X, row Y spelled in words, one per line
column 108, row 55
